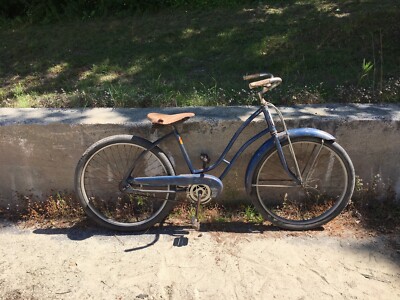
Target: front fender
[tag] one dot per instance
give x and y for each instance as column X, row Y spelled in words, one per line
column 269, row 144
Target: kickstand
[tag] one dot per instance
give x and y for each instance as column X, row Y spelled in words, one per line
column 195, row 219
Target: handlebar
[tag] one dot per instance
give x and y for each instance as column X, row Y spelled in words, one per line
column 268, row 84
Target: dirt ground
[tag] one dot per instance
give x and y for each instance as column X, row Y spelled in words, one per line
column 239, row 262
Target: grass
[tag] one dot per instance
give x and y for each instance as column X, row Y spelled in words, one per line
column 55, row 209
column 326, row 51
column 64, row 210
column 373, row 207
column 375, row 204
column 216, row 213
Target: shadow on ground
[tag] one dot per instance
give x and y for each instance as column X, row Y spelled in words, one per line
column 82, row 231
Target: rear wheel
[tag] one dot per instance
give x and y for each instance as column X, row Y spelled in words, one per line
column 328, row 183
column 98, row 179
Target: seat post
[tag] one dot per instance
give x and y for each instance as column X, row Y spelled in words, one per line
column 183, row 149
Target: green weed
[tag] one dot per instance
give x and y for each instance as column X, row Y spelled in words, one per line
column 375, row 204
column 252, row 216
column 366, row 69
column 216, row 213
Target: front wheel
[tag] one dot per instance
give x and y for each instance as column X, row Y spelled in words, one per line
column 99, row 183
column 328, row 182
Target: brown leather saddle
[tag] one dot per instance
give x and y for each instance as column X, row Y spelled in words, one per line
column 164, row 119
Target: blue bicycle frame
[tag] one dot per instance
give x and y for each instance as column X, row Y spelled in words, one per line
column 270, row 129
column 198, row 176
column 216, row 184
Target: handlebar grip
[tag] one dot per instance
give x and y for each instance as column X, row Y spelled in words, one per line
column 251, row 76
column 258, row 75
column 269, row 82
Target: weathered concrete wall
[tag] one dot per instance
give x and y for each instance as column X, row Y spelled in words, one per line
column 40, row 147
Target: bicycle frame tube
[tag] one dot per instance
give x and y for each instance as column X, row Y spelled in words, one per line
column 184, row 152
column 230, row 144
column 227, row 148
column 244, row 146
column 270, row 129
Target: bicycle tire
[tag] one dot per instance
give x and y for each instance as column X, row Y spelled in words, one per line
column 329, row 179
column 97, row 183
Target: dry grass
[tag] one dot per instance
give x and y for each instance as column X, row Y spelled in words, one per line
column 365, row 212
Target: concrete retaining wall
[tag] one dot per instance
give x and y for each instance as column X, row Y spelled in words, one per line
column 40, row 147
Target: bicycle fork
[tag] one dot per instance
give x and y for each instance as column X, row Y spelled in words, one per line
column 274, row 133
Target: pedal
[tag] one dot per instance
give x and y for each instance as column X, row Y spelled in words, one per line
column 195, row 223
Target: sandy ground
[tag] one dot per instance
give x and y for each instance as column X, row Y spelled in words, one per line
column 179, row 263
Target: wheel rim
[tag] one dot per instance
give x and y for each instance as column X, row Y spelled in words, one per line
column 325, row 184
column 100, row 184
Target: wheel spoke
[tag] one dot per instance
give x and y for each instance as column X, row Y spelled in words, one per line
column 102, row 172
column 309, row 166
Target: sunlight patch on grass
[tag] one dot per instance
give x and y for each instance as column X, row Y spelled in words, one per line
column 273, row 10
column 57, row 69
column 18, row 90
column 108, row 77
column 340, row 15
column 327, row 7
column 24, row 101
column 84, row 75
column 227, row 34
column 189, row 33
column 134, row 69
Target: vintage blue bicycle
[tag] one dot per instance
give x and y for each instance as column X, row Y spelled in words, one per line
column 298, row 179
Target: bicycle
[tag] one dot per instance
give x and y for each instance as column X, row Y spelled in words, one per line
column 298, row 179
